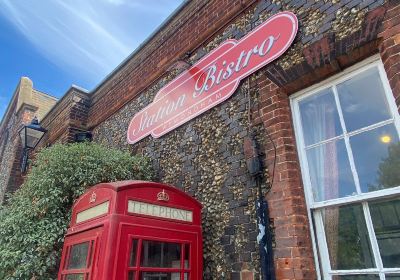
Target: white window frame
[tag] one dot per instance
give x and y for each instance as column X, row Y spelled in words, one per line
column 318, row 239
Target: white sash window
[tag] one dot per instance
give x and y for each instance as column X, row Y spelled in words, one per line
column 347, row 131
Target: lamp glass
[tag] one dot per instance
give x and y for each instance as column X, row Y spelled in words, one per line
column 33, row 137
column 23, row 138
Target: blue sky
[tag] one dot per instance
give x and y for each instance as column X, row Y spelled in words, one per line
column 57, row 43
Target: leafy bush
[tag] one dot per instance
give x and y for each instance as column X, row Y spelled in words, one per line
column 34, row 220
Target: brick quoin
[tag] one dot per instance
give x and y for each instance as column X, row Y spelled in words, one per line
column 66, row 119
column 16, row 178
column 293, row 255
column 390, row 47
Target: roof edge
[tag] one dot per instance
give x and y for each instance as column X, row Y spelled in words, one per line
column 59, row 101
column 46, row 94
column 7, row 111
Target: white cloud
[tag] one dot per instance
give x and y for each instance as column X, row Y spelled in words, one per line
column 88, row 37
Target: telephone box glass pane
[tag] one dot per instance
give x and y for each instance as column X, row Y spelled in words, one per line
column 160, row 254
column 91, row 253
column 78, row 256
column 131, row 275
column 160, row 276
column 79, row 276
column 132, row 259
column 187, row 254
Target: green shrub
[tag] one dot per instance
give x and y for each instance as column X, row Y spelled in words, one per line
column 35, row 218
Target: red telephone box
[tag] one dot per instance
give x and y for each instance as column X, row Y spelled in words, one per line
column 133, row 230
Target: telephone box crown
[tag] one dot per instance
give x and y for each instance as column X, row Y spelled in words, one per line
column 163, row 196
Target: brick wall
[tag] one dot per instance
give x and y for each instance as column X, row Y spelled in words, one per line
column 26, row 103
column 332, row 36
column 198, row 20
column 7, row 151
column 67, row 118
column 390, row 47
column 11, row 150
column 16, row 178
column 63, row 121
column 205, row 157
column 293, row 257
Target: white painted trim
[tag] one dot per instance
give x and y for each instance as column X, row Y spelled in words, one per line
column 307, row 194
column 347, row 141
column 374, row 241
column 349, row 134
column 390, row 97
column 321, row 237
column 356, row 271
column 365, row 271
column 386, row 193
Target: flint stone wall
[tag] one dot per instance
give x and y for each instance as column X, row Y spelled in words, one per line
column 204, row 157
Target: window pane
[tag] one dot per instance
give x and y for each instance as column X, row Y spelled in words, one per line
column 132, row 259
column 392, row 276
column 78, row 256
column 386, row 219
column 330, row 171
column 160, row 276
column 319, row 117
column 363, row 100
column 355, row 277
column 377, row 158
column 79, row 276
column 160, row 254
column 347, row 237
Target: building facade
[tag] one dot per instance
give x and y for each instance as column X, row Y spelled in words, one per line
column 25, row 104
column 325, row 115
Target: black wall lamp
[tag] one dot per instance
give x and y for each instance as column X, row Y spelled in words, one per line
column 85, row 136
column 30, row 136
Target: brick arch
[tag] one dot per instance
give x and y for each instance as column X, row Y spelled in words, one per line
column 330, row 55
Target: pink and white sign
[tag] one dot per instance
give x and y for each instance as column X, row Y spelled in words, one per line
column 214, row 78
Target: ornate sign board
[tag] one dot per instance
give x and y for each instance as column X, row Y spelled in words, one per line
column 214, row 78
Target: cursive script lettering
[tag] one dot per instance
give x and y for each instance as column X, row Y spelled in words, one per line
column 208, row 79
column 214, row 78
column 163, row 112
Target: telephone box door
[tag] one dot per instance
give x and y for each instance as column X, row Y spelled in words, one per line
column 157, row 254
column 80, row 255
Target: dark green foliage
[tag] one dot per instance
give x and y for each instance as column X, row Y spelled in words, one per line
column 389, row 168
column 35, row 218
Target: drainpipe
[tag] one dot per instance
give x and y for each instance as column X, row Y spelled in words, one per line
column 264, row 238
